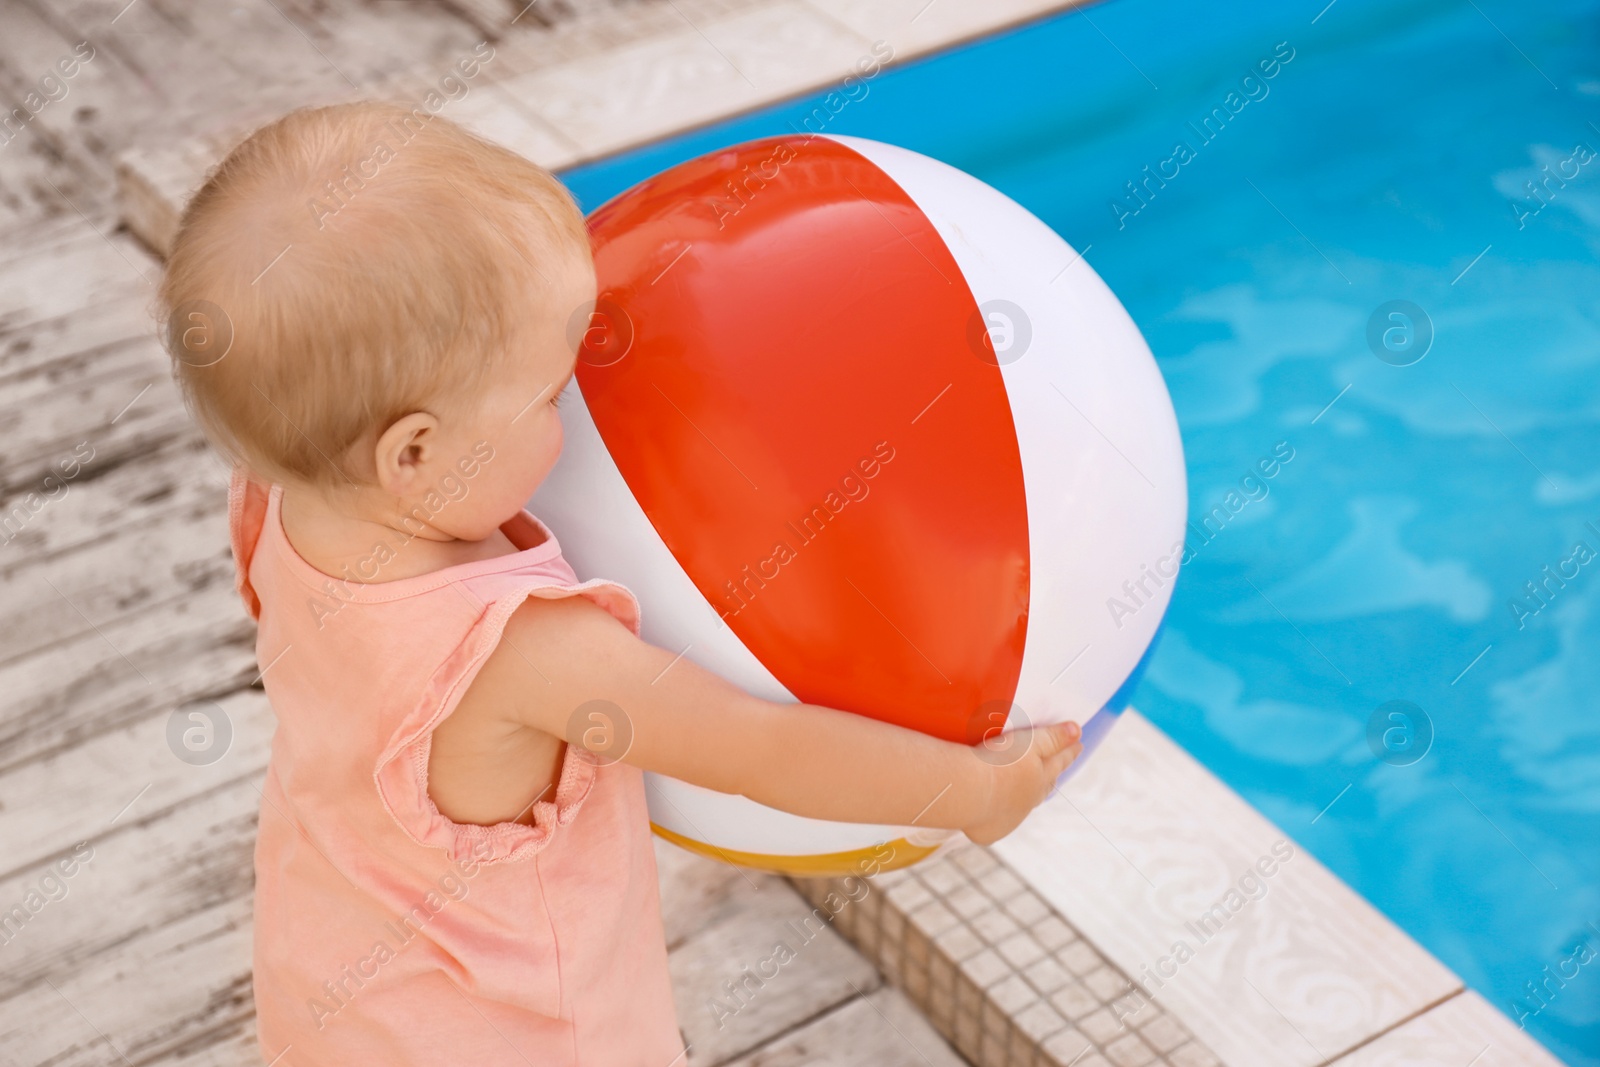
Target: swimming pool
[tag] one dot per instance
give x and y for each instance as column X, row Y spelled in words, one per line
column 1345, row 266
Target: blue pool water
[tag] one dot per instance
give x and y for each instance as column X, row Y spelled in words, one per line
column 1383, row 562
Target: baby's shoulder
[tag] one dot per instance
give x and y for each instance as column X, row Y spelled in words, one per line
column 561, row 622
column 550, row 648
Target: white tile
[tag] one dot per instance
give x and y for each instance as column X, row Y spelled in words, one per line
column 1464, row 1029
column 912, row 27
column 491, row 112
column 1143, row 841
column 656, row 87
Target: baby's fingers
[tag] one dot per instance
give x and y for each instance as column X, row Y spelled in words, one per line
column 1053, row 740
column 1057, row 764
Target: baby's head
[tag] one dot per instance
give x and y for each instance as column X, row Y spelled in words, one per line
column 362, row 296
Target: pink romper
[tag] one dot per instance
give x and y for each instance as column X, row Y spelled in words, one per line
column 387, row 935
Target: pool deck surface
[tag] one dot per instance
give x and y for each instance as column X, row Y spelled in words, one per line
column 119, row 607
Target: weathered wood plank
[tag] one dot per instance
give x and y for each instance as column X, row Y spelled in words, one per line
column 148, row 950
column 735, row 987
column 54, row 148
column 695, row 892
column 111, row 318
column 1142, row 850
column 138, row 85
column 155, row 182
column 62, row 266
column 881, row 1029
column 103, row 405
column 489, row 17
column 550, row 34
column 365, row 43
column 30, row 176
column 122, row 777
column 65, row 570
column 179, row 558
column 134, row 879
column 120, row 670
column 255, row 60
column 143, row 1001
column 78, row 343
column 151, row 56
column 230, row 1044
column 175, row 478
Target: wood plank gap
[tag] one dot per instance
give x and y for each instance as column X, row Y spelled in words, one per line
column 93, row 627
column 45, row 13
column 801, row 1024
column 154, row 815
column 201, row 1039
column 135, row 340
column 218, row 695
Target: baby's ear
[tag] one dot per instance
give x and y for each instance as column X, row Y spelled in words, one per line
column 402, row 450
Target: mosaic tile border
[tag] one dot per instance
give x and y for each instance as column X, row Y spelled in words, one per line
column 1001, row 975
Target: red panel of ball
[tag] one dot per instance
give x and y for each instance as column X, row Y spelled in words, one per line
column 789, row 386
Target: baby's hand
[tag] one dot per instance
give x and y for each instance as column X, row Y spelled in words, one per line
column 1023, row 767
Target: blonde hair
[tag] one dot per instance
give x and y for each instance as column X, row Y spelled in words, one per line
column 347, row 265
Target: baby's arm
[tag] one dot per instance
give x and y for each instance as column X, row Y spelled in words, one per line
column 819, row 762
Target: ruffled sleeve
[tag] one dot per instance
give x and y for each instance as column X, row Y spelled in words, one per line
column 401, row 775
column 247, row 512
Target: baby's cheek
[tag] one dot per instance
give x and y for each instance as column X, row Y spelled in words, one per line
column 539, row 454
column 551, row 451
column 543, row 444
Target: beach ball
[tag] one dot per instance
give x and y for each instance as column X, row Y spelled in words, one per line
column 860, row 431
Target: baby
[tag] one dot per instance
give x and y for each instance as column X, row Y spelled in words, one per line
column 368, row 313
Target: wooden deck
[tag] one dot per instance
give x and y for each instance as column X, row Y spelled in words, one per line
column 116, row 603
